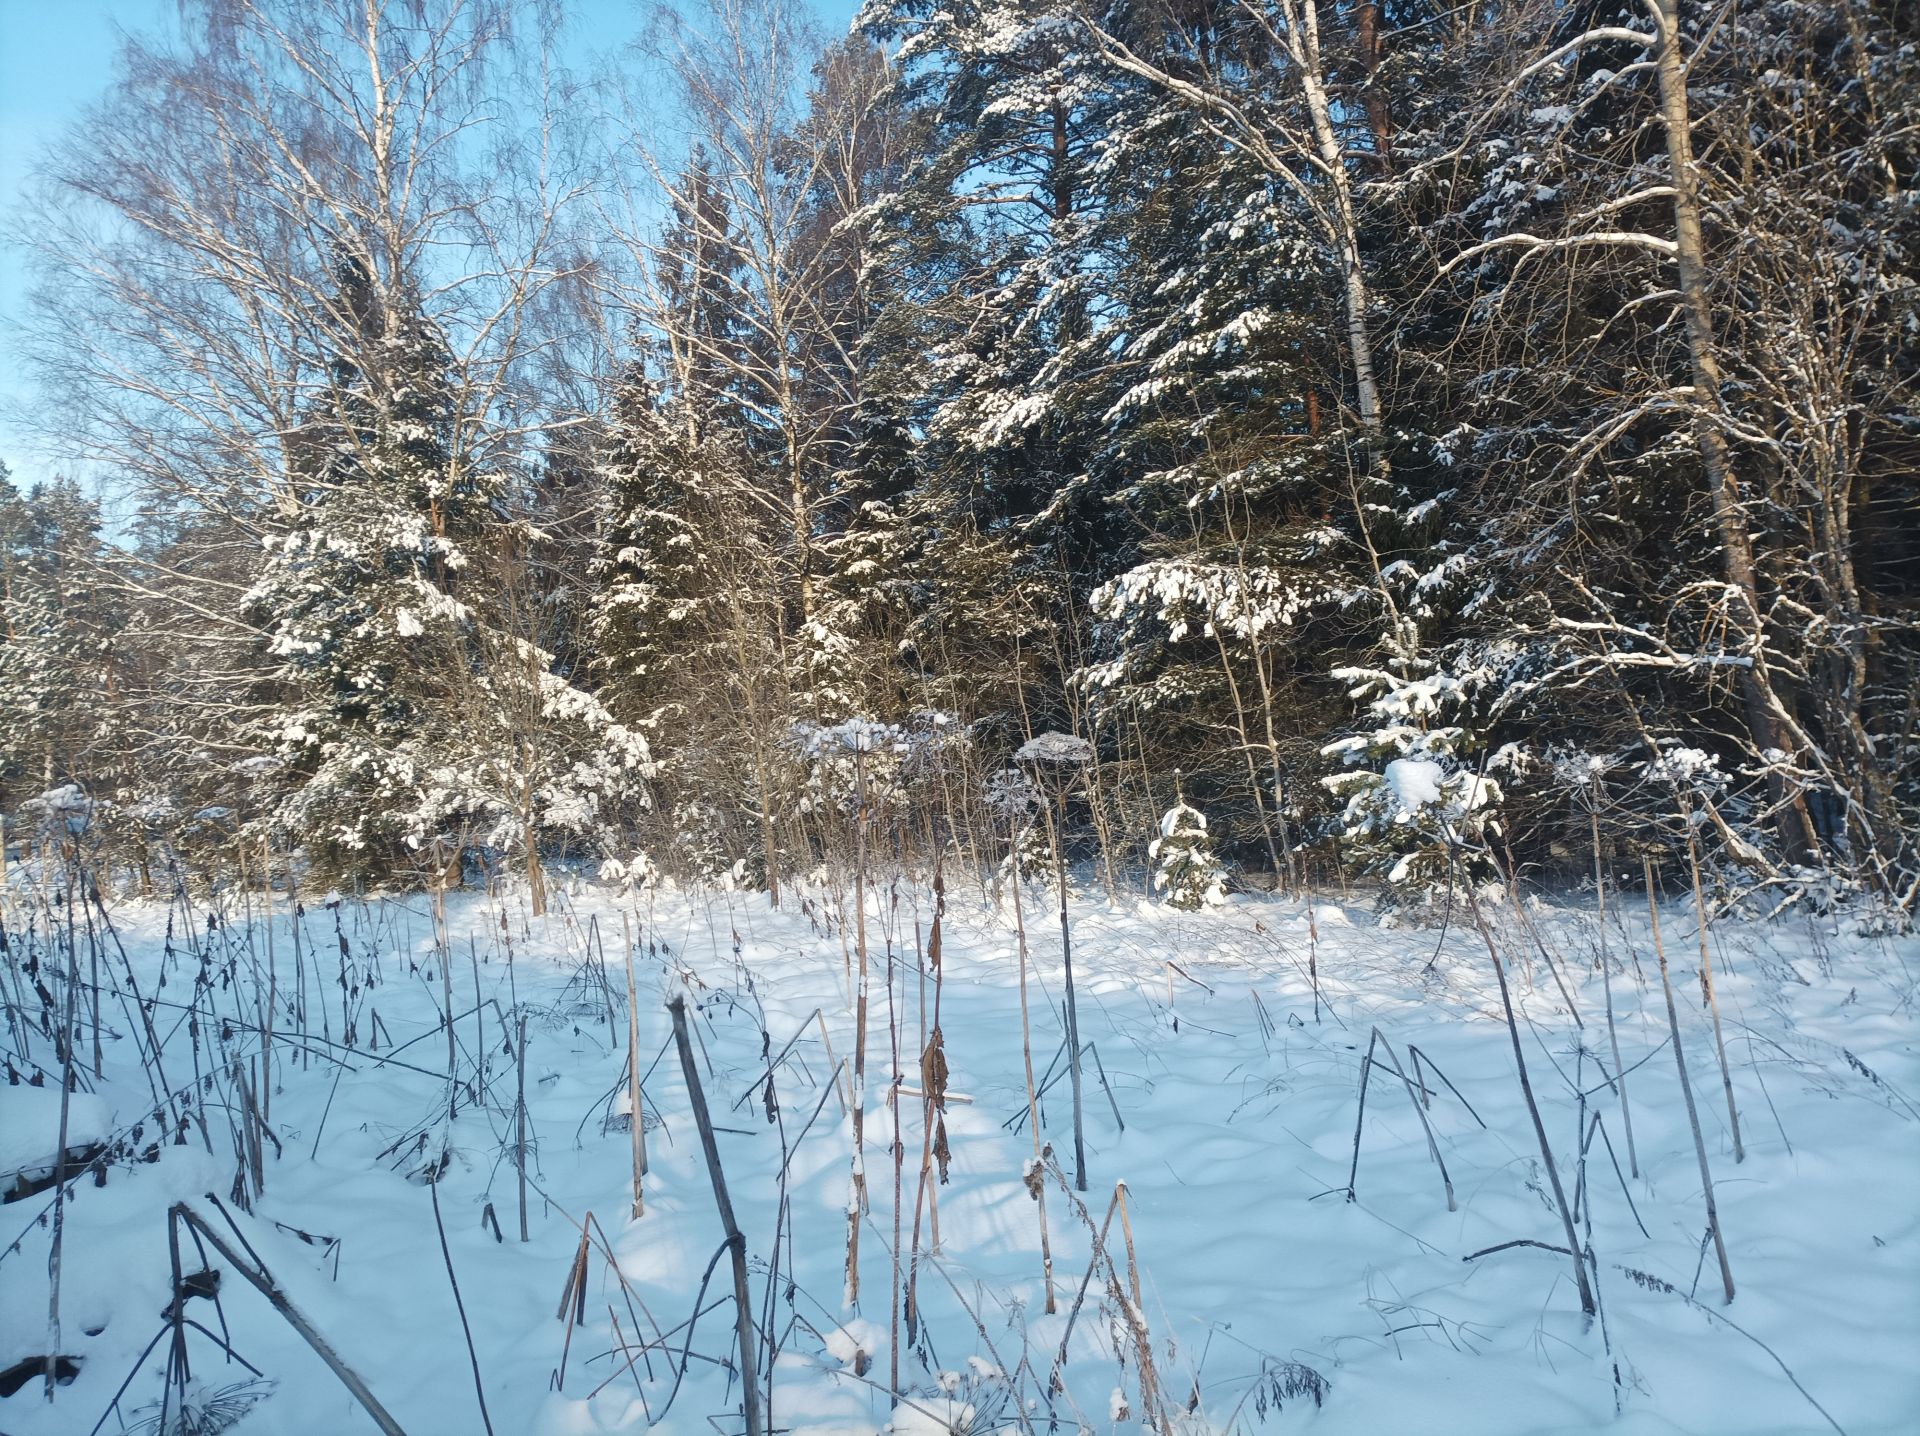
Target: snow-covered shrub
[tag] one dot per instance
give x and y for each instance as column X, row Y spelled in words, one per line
column 65, row 811
column 1421, row 815
column 630, row 875
column 1186, row 873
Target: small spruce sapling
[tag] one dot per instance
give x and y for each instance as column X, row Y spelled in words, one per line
column 1425, row 806
column 1186, row 872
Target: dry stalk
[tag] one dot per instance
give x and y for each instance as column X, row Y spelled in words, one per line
column 857, row 1185
column 1035, row 1185
column 1686, row 1088
column 1606, row 980
column 520, row 1118
column 1587, row 1305
column 639, row 1125
column 736, row 1240
column 1706, row 989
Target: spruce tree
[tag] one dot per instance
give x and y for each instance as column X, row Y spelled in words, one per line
column 361, row 601
column 660, row 601
column 59, row 695
column 1186, row 873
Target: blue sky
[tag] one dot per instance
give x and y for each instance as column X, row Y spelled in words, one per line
column 55, row 57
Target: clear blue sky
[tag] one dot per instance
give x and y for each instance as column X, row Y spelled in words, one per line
column 57, row 55
column 53, row 59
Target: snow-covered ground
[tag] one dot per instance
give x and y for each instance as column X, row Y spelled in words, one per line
column 1238, row 1091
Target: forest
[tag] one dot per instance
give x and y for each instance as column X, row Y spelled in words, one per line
column 1432, row 441
column 1341, row 527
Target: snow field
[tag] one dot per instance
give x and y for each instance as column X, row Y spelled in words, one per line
column 1239, row 1104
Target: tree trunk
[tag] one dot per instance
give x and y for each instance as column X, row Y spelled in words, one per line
column 1760, row 701
column 1379, row 116
column 536, row 874
column 1303, row 23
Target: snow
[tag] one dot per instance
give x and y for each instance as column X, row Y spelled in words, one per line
column 1060, row 748
column 1236, row 1077
column 1686, row 768
column 30, row 1127
column 1415, row 783
column 854, row 1341
column 66, row 806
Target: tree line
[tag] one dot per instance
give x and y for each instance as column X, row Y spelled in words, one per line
column 1437, row 442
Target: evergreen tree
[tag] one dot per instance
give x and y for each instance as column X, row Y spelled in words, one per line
column 59, row 691
column 660, row 603
column 1222, row 442
column 1186, row 873
column 1422, row 817
column 361, row 602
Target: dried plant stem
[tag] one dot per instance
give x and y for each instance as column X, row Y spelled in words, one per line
column 1313, row 952
column 473, row 1357
column 520, row 1117
column 273, row 985
column 444, row 951
column 1057, row 831
column 1686, row 1088
column 857, row 1185
column 826, row 1040
column 1034, row 1185
column 933, row 1080
column 1433, row 1146
column 252, row 1126
column 1669, row 1289
column 1151, row 1411
column 898, row 1152
column 1713, row 1002
column 1606, row 981
column 1587, row 1305
column 573, row 1301
column 1422, row 1064
column 736, row 1240
column 1093, row 1265
column 299, row 951
column 639, row 1123
column 262, row 1281
column 1520, row 909
column 479, row 1022
column 60, row 1155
